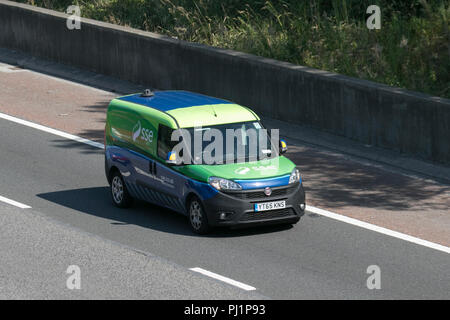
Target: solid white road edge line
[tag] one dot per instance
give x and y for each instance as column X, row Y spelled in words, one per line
column 14, row 203
column 378, row 229
column 311, row 209
column 52, row 131
column 223, row 279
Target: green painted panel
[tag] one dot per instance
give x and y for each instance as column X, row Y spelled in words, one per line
column 134, row 126
column 262, row 169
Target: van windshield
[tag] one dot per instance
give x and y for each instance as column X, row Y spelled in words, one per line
column 229, row 143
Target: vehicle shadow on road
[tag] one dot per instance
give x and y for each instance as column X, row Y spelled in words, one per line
column 96, row 201
column 81, row 147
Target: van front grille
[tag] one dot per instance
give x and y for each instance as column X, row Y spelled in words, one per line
column 259, row 194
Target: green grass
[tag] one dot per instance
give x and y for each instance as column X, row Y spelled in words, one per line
column 412, row 49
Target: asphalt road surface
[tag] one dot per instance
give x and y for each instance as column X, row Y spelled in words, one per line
column 61, row 215
column 64, row 180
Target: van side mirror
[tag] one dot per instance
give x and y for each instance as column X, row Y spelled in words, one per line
column 171, row 158
column 283, row 146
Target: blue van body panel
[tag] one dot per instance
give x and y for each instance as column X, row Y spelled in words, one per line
column 169, row 100
column 203, row 190
column 166, row 187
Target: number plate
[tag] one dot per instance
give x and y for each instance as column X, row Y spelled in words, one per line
column 270, row 206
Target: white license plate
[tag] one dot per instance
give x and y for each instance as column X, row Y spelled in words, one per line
column 270, row 206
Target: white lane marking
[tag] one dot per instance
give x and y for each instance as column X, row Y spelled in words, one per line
column 14, row 203
column 223, row 279
column 52, row 131
column 319, row 211
column 6, row 68
column 378, row 229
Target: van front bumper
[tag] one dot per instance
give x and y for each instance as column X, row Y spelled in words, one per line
column 238, row 207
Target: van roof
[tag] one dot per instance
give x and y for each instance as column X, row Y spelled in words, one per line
column 193, row 109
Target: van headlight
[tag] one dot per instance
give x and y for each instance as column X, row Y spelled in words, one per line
column 224, row 184
column 295, row 176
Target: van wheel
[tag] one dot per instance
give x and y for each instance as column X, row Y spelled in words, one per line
column 119, row 193
column 197, row 217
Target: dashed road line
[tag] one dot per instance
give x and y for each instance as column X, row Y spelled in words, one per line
column 52, row 131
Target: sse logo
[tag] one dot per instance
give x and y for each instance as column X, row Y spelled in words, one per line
column 143, row 133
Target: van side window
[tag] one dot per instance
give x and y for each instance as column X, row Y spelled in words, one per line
column 164, row 142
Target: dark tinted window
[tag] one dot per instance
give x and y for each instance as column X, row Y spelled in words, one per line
column 261, row 151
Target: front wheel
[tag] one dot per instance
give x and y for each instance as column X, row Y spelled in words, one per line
column 119, row 193
column 197, row 217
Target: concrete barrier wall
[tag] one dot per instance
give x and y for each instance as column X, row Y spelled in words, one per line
column 371, row 113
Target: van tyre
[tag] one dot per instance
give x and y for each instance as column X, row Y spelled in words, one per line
column 197, row 217
column 119, row 193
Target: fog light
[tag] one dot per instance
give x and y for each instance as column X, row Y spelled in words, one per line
column 225, row 215
column 302, row 206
